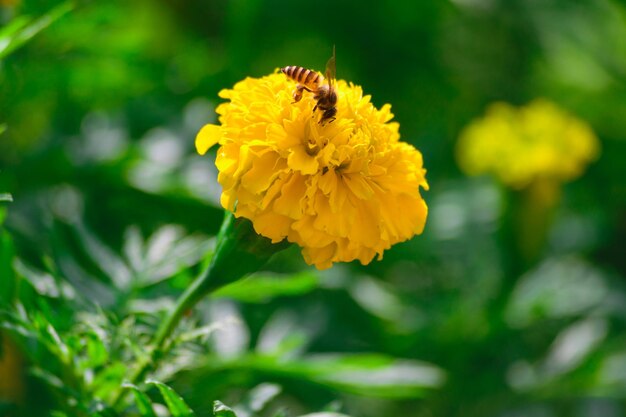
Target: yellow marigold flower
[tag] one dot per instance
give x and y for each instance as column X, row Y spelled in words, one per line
column 342, row 191
column 522, row 145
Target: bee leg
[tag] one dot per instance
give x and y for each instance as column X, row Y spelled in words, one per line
column 297, row 94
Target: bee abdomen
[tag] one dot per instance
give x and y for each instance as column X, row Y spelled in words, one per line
column 302, row 75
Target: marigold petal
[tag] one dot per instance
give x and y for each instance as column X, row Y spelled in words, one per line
column 300, row 160
column 322, row 258
column 272, row 225
column 227, row 200
column 328, row 182
column 343, row 191
column 262, row 173
column 359, row 187
column 208, row 136
column 246, row 158
column 328, row 221
column 290, row 201
column 366, row 227
column 303, row 230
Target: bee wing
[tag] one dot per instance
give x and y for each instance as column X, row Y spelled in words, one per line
column 331, row 70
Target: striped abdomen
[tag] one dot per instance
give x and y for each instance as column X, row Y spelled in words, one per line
column 306, row 77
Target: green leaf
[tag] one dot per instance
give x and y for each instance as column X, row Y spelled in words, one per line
column 257, row 399
column 144, row 405
column 54, row 382
column 55, row 343
column 372, row 375
column 96, row 350
column 109, row 262
column 166, row 253
column 558, row 288
column 174, row 402
column 239, row 252
column 23, row 29
column 263, row 287
column 260, row 395
column 375, row 375
column 201, row 333
column 12, row 29
column 108, row 380
column 325, row 414
column 221, row 410
column 6, row 197
column 8, row 279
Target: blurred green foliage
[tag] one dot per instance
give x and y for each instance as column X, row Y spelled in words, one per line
column 113, row 215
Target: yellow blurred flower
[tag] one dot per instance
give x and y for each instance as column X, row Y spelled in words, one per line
column 342, row 191
column 522, row 145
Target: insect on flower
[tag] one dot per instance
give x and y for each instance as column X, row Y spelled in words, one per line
column 354, row 197
column 323, row 92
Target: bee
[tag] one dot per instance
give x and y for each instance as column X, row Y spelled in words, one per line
column 323, row 88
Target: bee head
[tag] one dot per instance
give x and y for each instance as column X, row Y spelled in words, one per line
column 330, row 113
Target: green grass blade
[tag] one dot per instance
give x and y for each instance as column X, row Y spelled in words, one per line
column 24, row 29
column 177, row 406
column 221, row 410
column 144, row 405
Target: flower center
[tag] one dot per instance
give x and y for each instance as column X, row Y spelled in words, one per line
column 311, row 147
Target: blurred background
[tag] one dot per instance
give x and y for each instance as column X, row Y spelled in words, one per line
column 113, row 213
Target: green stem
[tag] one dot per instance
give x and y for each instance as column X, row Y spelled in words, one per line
column 185, row 302
column 239, row 252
